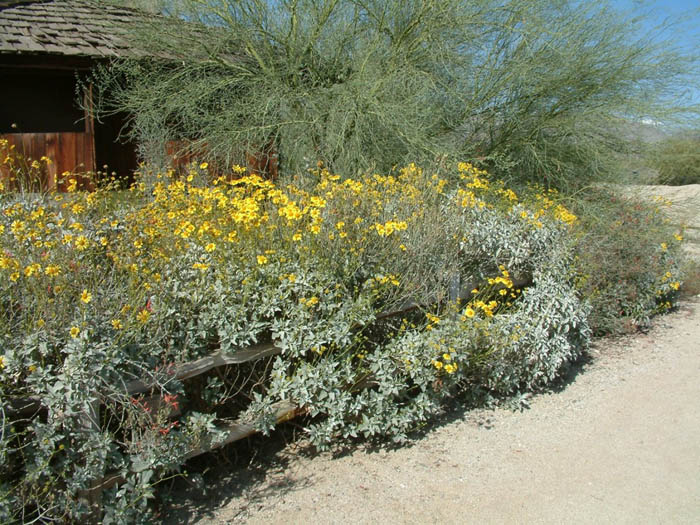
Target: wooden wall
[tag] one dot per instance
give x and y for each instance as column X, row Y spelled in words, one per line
column 263, row 162
column 41, row 116
column 68, row 151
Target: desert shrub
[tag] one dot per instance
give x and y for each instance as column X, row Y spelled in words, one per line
column 629, row 259
column 677, row 160
column 536, row 85
column 504, row 340
column 100, row 288
column 690, row 270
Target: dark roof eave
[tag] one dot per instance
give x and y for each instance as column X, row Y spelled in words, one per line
column 52, row 61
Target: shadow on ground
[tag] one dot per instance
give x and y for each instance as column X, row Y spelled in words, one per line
column 257, row 468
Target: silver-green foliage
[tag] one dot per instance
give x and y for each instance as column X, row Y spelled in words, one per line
column 389, row 387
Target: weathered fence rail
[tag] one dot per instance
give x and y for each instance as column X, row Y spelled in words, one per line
column 29, row 406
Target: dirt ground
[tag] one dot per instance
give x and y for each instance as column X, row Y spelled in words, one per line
column 618, row 441
column 684, row 209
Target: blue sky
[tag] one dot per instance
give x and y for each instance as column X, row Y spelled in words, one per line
column 687, row 12
column 684, row 15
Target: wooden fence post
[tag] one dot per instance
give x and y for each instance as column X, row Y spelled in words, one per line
column 93, row 495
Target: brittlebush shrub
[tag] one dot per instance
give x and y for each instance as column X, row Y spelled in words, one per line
column 629, row 259
column 101, row 288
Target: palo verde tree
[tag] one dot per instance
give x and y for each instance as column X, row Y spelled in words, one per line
column 540, row 86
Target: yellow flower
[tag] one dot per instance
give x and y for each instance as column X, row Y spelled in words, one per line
column 664, row 247
column 32, row 269
column 469, row 312
column 447, row 357
column 210, row 247
column 262, row 259
column 678, row 236
column 200, row 266
column 2, row 362
column 86, row 297
column 437, row 364
column 432, row 318
column 313, row 301
column 203, row 165
column 296, row 237
column 81, row 243
column 74, row 331
column 675, row 285
column 52, row 271
column 117, row 324
column 143, row 316
column 17, row 226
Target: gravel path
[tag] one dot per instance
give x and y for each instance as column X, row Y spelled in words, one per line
column 619, row 443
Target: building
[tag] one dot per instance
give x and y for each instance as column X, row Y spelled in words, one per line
column 45, row 47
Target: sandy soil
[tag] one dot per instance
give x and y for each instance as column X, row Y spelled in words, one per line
column 618, row 441
column 684, row 210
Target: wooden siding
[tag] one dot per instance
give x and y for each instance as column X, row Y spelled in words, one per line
column 68, row 151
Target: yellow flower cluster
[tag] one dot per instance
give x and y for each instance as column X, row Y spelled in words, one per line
column 446, row 361
column 503, row 279
column 384, row 279
column 68, row 249
column 310, row 302
column 386, row 229
column 564, row 215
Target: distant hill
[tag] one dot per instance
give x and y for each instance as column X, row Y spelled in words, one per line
column 646, row 132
